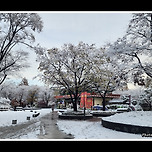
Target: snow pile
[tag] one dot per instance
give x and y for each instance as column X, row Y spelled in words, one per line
column 6, row 117
column 92, row 130
column 140, row 118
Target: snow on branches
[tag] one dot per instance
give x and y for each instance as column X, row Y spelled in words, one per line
column 135, row 47
column 16, row 29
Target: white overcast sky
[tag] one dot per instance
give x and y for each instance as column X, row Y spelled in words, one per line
column 73, row 27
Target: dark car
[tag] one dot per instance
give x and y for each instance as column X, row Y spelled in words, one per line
column 98, row 107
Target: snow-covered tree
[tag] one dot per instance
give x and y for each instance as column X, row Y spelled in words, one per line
column 67, row 67
column 11, row 91
column 7, row 90
column 46, row 95
column 146, row 98
column 32, row 94
column 26, row 94
column 135, row 47
column 24, row 82
column 21, row 93
column 105, row 76
column 80, row 68
column 16, row 29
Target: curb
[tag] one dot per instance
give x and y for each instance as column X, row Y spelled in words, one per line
column 78, row 117
column 126, row 127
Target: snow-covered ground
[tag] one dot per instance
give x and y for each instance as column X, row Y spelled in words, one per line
column 31, row 132
column 78, row 128
column 141, row 118
column 92, row 130
column 6, row 117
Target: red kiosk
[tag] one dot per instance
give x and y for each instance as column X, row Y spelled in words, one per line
column 85, row 102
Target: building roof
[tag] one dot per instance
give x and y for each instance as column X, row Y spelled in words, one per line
column 116, row 96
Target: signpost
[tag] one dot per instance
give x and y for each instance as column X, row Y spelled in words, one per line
column 83, row 102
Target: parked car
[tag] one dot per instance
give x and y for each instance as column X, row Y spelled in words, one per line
column 98, row 107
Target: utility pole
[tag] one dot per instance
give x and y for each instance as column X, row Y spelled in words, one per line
column 85, row 100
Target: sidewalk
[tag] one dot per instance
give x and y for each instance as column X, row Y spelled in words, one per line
column 49, row 128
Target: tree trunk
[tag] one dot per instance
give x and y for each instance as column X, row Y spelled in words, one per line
column 104, row 99
column 75, row 103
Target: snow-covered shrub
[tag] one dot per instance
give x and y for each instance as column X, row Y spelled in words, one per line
column 145, row 99
column 4, row 103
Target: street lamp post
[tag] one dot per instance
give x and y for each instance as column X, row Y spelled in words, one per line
column 84, row 110
column 85, row 100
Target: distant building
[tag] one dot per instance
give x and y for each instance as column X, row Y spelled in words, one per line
column 91, row 100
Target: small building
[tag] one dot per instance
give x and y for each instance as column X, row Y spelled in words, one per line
column 95, row 99
column 90, row 100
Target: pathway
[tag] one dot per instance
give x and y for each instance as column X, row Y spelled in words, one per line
column 43, row 128
column 49, row 129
